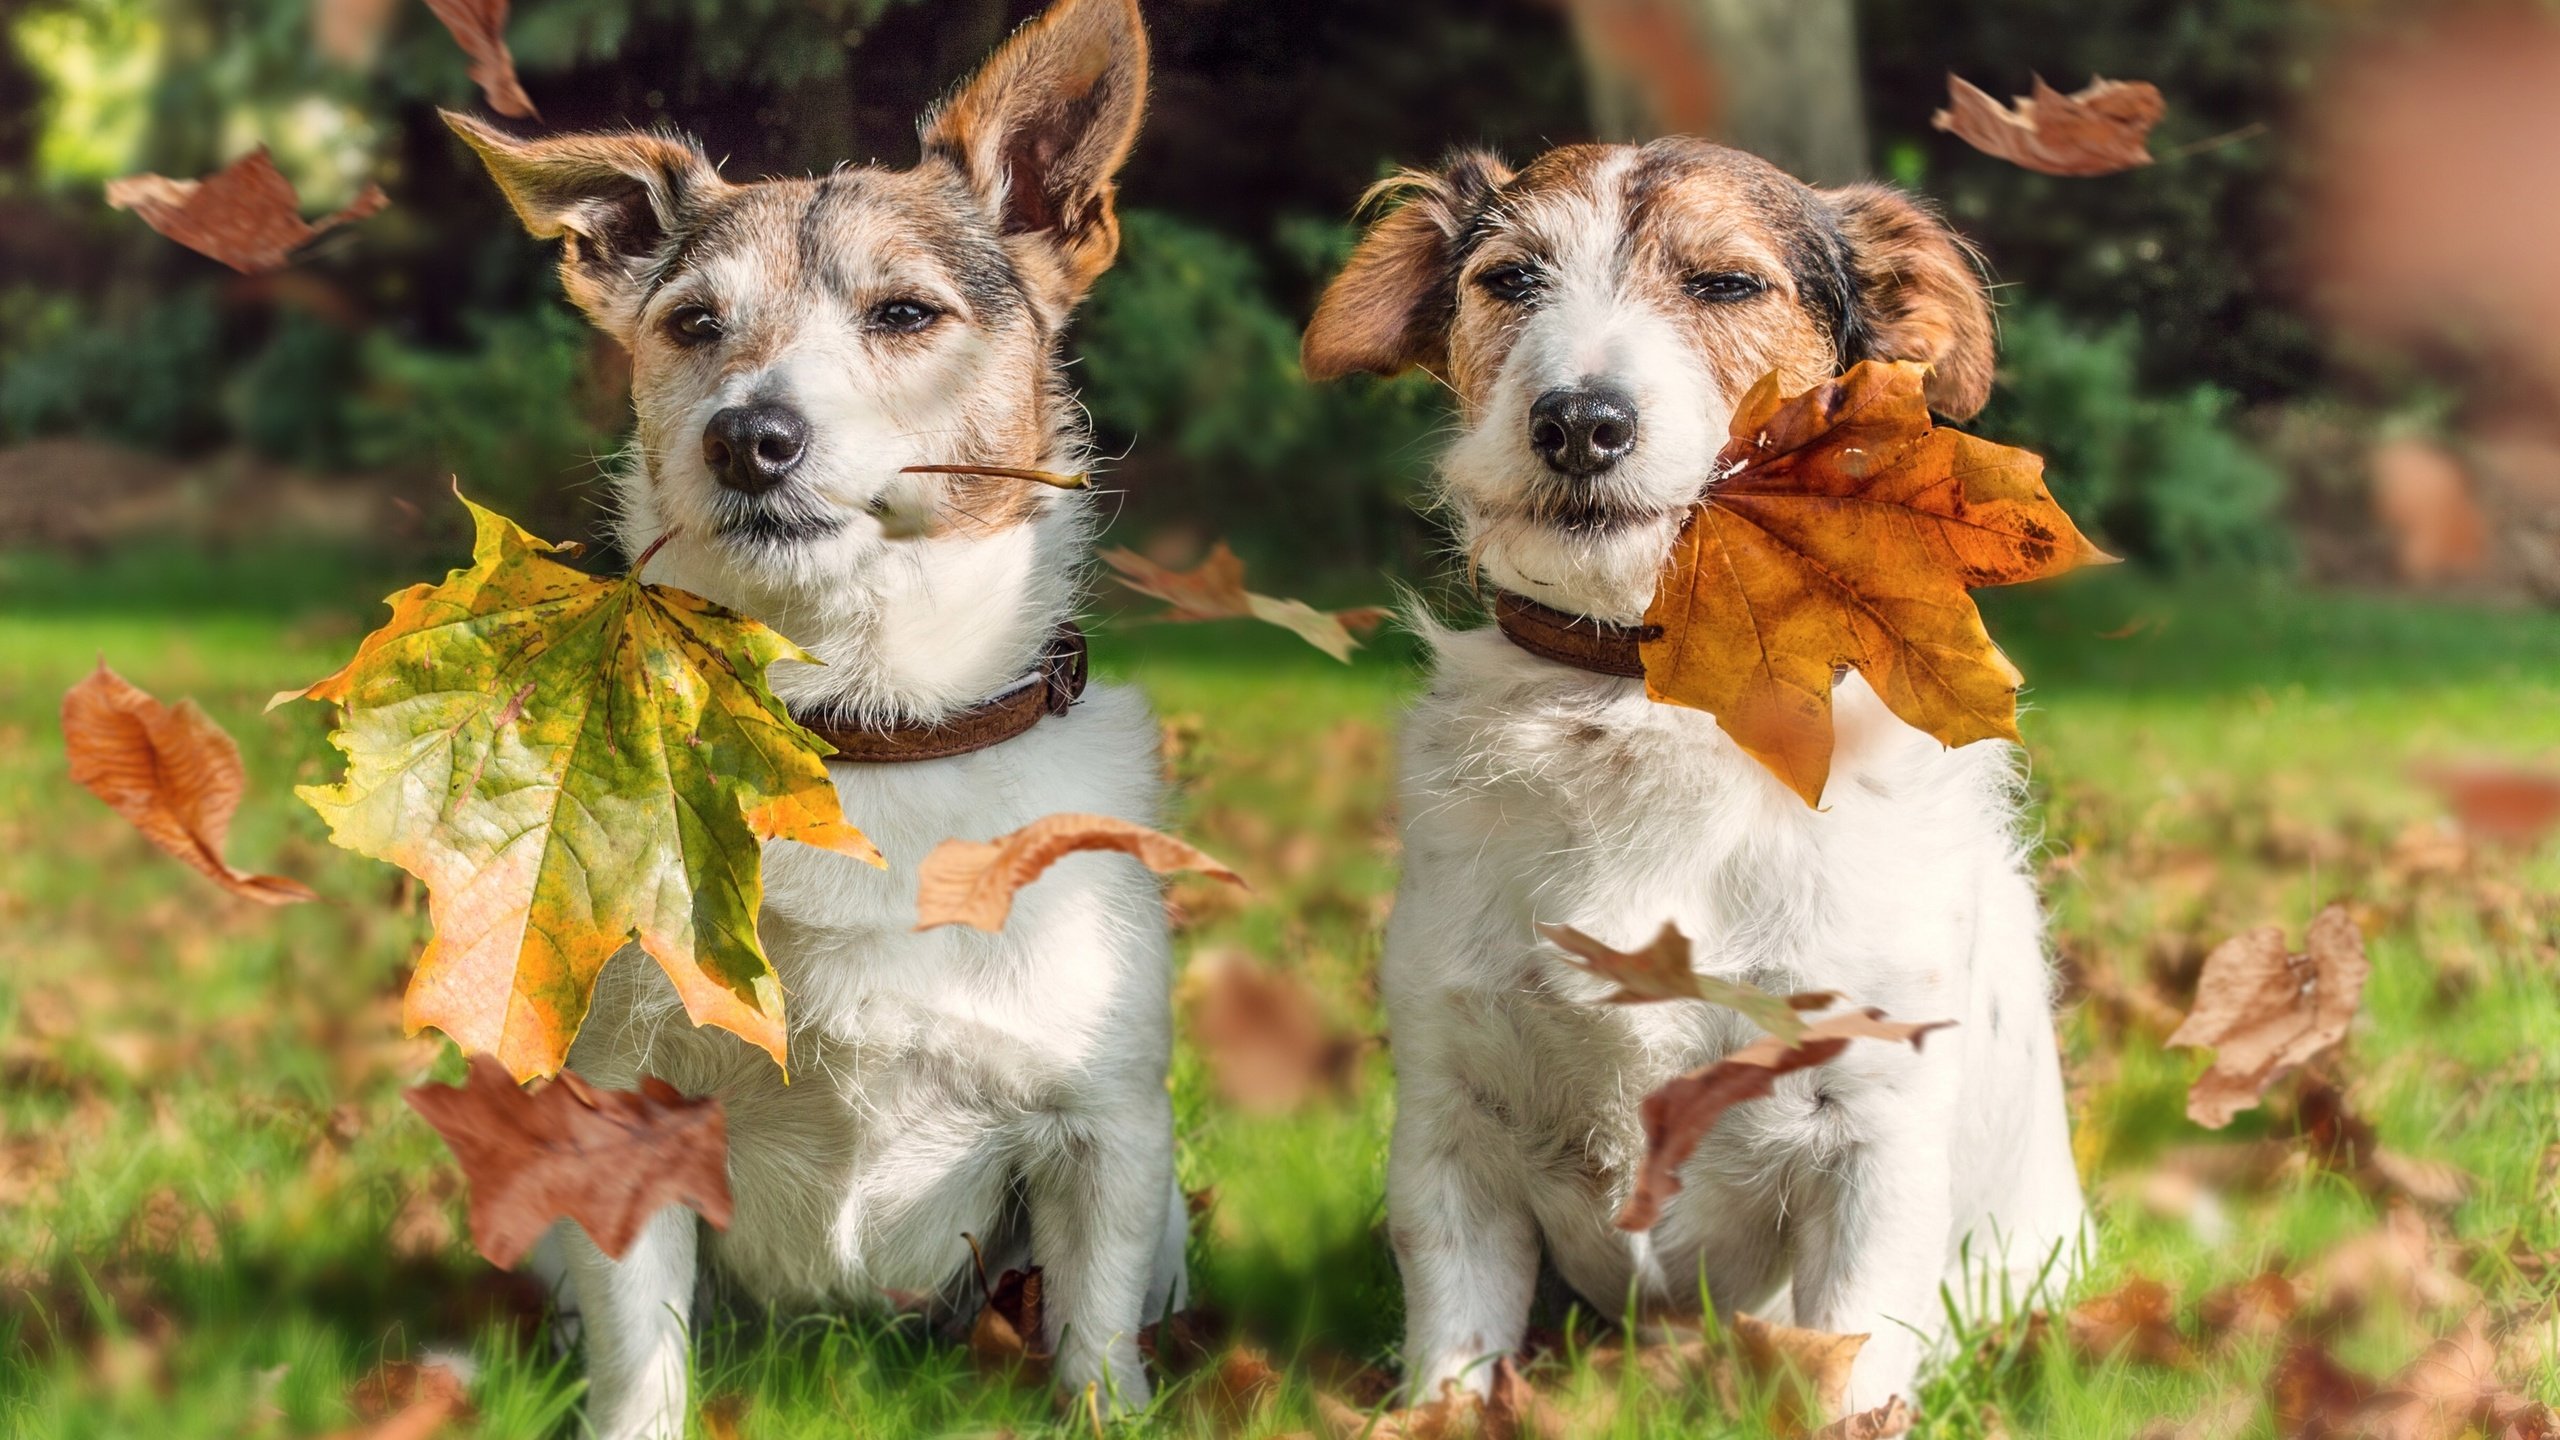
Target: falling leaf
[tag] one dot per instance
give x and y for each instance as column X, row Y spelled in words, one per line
column 244, row 215
column 1680, row 1113
column 480, row 28
column 1006, row 1334
column 170, row 770
column 2136, row 1321
column 1268, row 1046
column 1813, row 1366
column 972, row 882
column 2264, row 1011
column 608, row 1159
column 2499, row 804
column 1845, row 529
column 1662, row 970
column 572, row 762
column 2098, row 130
column 1214, row 590
column 2423, row 497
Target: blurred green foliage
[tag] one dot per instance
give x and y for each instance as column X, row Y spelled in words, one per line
column 139, row 377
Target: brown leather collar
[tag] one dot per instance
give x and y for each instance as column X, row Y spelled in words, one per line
column 1575, row 640
column 1049, row 690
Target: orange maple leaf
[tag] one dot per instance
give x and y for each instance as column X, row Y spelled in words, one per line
column 1844, row 530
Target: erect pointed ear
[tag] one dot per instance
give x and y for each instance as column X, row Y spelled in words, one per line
column 1390, row 308
column 1044, row 125
column 617, row 202
column 1919, row 294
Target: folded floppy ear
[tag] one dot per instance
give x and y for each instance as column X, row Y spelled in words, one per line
column 617, row 202
column 1043, row 126
column 1391, row 306
column 1919, row 295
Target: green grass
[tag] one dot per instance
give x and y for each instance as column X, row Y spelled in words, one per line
column 216, row 1216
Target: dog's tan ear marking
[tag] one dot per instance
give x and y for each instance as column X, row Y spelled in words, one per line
column 1390, row 308
column 1920, row 294
column 1043, row 126
column 615, row 201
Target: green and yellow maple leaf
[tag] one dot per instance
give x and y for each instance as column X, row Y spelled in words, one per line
column 572, row 763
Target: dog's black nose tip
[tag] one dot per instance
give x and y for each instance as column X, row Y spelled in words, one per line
column 1583, row 429
column 754, row 447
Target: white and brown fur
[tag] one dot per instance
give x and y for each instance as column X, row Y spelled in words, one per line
column 1672, row 276
column 945, row 1085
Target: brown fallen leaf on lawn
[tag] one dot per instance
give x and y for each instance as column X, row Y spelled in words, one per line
column 1812, row 1366
column 2499, row 804
column 2400, row 1262
column 1893, row 1417
column 723, row 1415
column 2423, row 497
column 2099, row 129
column 2451, row 1390
column 2311, row 1394
column 2258, row 1308
column 1214, row 590
column 1006, row 1334
column 608, row 1159
column 2136, row 1321
column 1514, row 1412
column 1234, row 1394
column 170, row 770
column 2341, row 1140
column 405, row 1401
column 973, row 882
column 1662, row 970
column 1844, row 528
column 480, row 28
column 1266, row 1040
column 2264, row 1010
column 1680, row 1113
column 244, row 214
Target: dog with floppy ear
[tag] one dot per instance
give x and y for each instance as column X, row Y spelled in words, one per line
column 1598, row 315
column 797, row 345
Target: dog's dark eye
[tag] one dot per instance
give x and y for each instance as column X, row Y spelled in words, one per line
column 903, row 317
column 693, row 325
column 1719, row 286
column 1511, row 284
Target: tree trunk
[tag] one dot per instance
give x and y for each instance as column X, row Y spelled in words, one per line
column 1776, row 77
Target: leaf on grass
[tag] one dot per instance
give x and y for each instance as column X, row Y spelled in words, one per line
column 480, row 28
column 1680, row 1113
column 2340, row 1140
column 1214, row 590
column 2136, row 1321
column 973, row 882
column 2400, row 1262
column 2100, row 129
column 1514, row 1411
column 1845, row 529
column 1006, row 1334
column 170, row 770
column 1662, row 970
column 2451, row 1390
column 1234, row 1395
column 2264, row 1011
column 1893, row 1417
column 724, row 1416
column 573, row 762
column 2497, row 803
column 244, row 215
column 405, row 1401
column 608, row 1159
column 2255, row 1309
column 1268, row 1045
column 1812, row 1365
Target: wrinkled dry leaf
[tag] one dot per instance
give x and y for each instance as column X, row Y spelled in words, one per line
column 1812, row 1365
column 404, row 1401
column 1845, row 529
column 2400, row 1262
column 2422, row 494
column 480, row 28
column 1893, row 1417
column 1006, row 1335
column 1214, row 590
column 1268, row 1045
column 1662, row 970
column 571, row 763
column 608, row 1159
column 2339, row 1139
column 1236, row 1393
column 2100, row 129
column 724, row 1416
column 245, row 215
column 170, row 770
column 1680, row 1113
column 2264, row 1011
column 2136, row 1321
column 2499, row 804
column 1515, row 1411
column 2258, row 1308
column 973, row 882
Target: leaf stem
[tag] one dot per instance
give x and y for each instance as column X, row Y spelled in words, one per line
column 654, row 547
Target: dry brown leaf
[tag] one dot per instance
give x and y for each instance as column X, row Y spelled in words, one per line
column 1515, row 1411
column 2400, row 1260
column 1235, row 1394
column 1843, row 528
column 1680, row 1113
column 1266, row 1040
column 2136, row 1321
column 244, row 215
column 2422, row 494
column 723, row 1415
column 404, row 1401
column 1663, row 970
column 2100, row 129
column 2340, row 1140
column 608, row 1159
column 1812, row 1365
column 1214, row 590
column 2264, row 1011
column 2498, row 804
column 480, row 28
column 973, row 882
column 170, row 770
column 2258, row 1308
column 1893, row 1417
column 2311, row 1394
column 2228, row 1417
column 1006, row 1336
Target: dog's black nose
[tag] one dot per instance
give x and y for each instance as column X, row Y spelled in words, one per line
column 1583, row 430
column 754, row 447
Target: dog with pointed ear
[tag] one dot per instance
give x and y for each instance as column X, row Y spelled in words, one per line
column 1598, row 314
column 798, row 345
